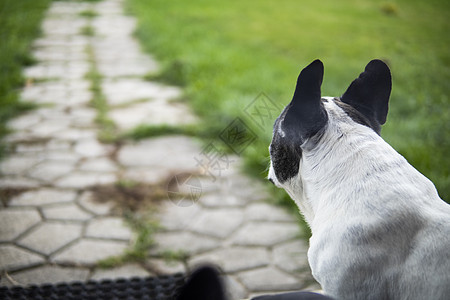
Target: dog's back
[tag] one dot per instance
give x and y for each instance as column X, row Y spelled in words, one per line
column 392, row 240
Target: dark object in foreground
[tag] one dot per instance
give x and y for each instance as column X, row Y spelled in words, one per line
column 150, row 288
column 203, row 284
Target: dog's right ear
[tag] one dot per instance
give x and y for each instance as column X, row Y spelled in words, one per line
column 305, row 114
column 203, row 284
column 369, row 93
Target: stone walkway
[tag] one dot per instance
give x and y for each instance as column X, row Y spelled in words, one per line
column 53, row 228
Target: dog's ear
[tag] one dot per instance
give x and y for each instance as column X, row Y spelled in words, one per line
column 369, row 93
column 305, row 115
column 203, row 284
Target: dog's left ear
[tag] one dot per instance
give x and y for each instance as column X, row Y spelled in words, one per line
column 305, row 114
column 369, row 94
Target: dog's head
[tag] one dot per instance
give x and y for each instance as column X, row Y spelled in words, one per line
column 310, row 120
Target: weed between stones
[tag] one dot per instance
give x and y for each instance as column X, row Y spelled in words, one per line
column 107, row 132
column 88, row 14
column 135, row 202
column 129, row 196
column 87, row 31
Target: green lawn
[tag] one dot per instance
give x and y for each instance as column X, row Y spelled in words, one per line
column 19, row 25
column 226, row 52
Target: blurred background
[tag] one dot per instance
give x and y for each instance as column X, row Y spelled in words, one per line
column 224, row 54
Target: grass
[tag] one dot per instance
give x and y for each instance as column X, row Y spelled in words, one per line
column 145, row 228
column 87, row 30
column 107, row 132
column 88, row 13
column 19, row 25
column 225, row 54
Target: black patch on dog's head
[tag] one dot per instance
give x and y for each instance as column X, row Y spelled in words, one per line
column 303, row 118
column 358, row 117
column 369, row 93
column 285, row 155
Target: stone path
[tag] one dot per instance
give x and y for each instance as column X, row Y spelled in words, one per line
column 53, row 229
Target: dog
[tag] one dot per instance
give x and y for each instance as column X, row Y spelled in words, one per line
column 379, row 228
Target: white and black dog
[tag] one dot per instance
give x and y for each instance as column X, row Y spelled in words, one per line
column 379, row 228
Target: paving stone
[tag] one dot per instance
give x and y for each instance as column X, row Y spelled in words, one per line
column 14, row 222
column 291, row 256
column 265, row 233
column 126, row 90
column 222, row 200
column 67, row 212
column 88, row 115
column 138, row 67
column 108, row 228
column 125, row 271
column 67, row 8
column 52, row 54
column 63, row 26
column 58, row 70
column 166, row 153
column 16, row 165
column 173, row 217
column 209, row 185
column 234, row 259
column 19, row 137
column 88, row 252
column 51, row 170
column 23, row 122
column 117, row 25
column 17, row 182
column 78, row 42
column 218, row 223
column 107, row 50
column 183, row 241
column 29, row 148
column 99, row 164
column 14, row 258
column 261, row 211
column 87, row 201
column 148, row 175
column 57, row 145
column 49, row 237
column 268, row 279
column 247, row 188
column 75, row 134
column 49, row 128
column 62, row 156
column 161, row 266
column 82, row 180
column 43, row 197
column 48, row 274
column 234, row 289
column 156, row 112
column 90, row 148
column 69, row 94
column 53, row 112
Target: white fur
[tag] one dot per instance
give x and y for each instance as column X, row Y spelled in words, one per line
column 359, row 248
